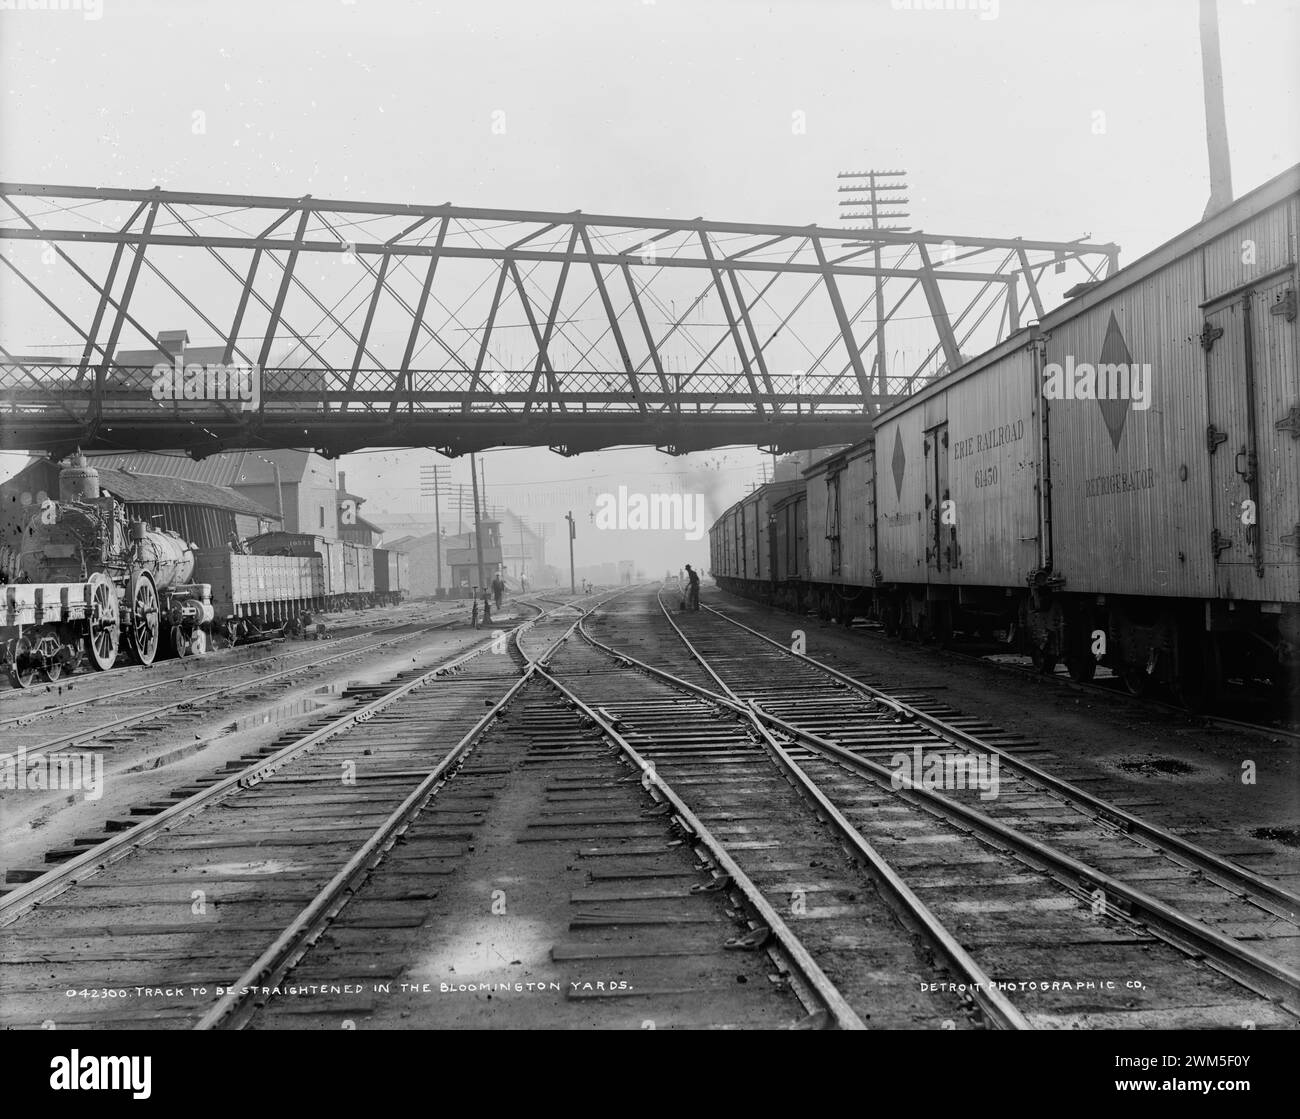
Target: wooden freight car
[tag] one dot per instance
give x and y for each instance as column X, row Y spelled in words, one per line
column 264, row 589
column 392, row 581
column 346, row 570
column 791, row 547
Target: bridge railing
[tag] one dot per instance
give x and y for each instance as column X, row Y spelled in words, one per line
column 89, row 393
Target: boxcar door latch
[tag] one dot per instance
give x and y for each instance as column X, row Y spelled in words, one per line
column 1213, row 437
column 1285, row 305
column 1218, row 542
column 1209, row 336
column 1290, row 422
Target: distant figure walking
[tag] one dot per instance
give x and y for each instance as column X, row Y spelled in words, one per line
column 693, row 590
column 498, row 589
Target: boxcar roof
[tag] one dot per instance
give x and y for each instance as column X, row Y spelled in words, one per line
column 840, row 458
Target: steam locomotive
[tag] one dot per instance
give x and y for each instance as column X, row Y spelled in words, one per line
column 96, row 581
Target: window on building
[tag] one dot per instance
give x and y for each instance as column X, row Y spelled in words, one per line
column 322, row 516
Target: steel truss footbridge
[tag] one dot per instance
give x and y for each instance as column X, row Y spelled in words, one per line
column 461, row 328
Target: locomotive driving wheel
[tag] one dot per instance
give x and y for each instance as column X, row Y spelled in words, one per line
column 22, row 667
column 101, row 622
column 145, row 618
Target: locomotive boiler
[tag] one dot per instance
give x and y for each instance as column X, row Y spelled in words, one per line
column 93, row 582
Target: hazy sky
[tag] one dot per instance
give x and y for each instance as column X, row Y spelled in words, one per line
column 677, row 108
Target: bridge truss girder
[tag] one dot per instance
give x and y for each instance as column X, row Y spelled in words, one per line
column 673, row 333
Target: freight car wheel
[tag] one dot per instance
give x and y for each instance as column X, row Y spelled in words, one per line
column 1082, row 668
column 1043, row 661
column 101, row 623
column 22, row 671
column 1135, row 679
column 142, row 640
column 53, row 671
column 180, row 642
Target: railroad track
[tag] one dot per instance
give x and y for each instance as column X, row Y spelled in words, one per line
column 140, row 712
column 722, row 870
column 166, row 673
column 196, row 914
column 1111, row 688
column 240, row 842
column 1014, row 877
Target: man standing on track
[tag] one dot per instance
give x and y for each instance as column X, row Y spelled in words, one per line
column 498, row 589
column 693, row 591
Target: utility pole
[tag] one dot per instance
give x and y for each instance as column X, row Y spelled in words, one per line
column 1216, row 124
column 478, row 530
column 879, row 195
column 430, row 477
column 573, row 583
column 279, row 489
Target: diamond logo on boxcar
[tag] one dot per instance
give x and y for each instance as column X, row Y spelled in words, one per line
column 1114, row 350
column 899, row 463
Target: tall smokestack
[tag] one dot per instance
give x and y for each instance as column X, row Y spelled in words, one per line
column 1216, row 125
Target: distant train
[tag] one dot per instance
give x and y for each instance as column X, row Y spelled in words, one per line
column 90, row 583
column 1116, row 485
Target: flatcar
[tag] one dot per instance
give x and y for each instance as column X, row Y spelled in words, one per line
column 1117, row 485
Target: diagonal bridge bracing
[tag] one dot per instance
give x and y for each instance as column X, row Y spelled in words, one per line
column 461, row 328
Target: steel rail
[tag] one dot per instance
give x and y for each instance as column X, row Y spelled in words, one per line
column 120, row 845
column 29, row 717
column 840, row 1011
column 241, row 1001
column 1237, row 960
column 1250, row 884
column 89, row 735
column 996, row 1007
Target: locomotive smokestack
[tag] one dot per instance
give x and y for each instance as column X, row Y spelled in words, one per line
column 78, row 480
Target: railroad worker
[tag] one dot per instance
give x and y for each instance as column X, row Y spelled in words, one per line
column 693, row 593
column 487, row 606
column 474, row 611
column 498, row 588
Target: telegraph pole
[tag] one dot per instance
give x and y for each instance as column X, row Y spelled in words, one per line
column 1216, row 125
column 573, row 583
column 433, row 475
column 878, row 191
column 478, row 529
